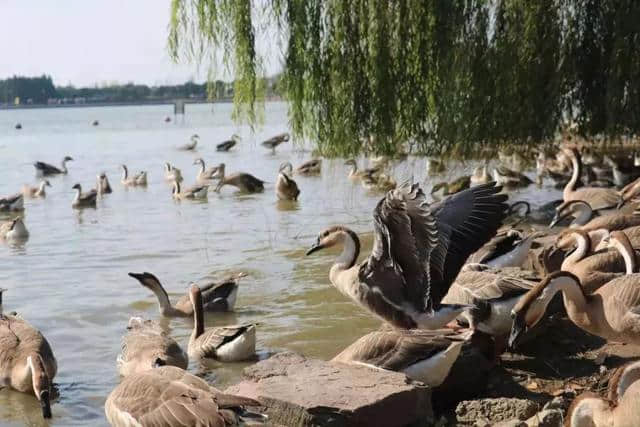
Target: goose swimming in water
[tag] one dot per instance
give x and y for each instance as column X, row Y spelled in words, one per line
column 12, row 203
column 509, row 178
column 27, row 363
column 244, row 182
column 286, row 187
column 274, row 141
column 147, row 346
column 225, row 343
column 171, row 397
column 204, row 175
column 46, row 169
column 192, row 145
column 311, row 167
column 196, row 192
column 103, row 186
column 355, row 173
column 216, row 296
column 228, row 144
column 140, row 179
column 84, row 200
column 417, row 253
column 36, row 192
column 13, row 230
column 172, row 173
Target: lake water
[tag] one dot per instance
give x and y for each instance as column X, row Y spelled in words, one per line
column 70, row 278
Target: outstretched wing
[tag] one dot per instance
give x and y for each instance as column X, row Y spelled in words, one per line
column 404, row 235
column 465, row 222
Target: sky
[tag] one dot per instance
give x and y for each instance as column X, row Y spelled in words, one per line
column 89, row 42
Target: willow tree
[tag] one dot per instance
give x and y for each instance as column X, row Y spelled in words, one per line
column 436, row 74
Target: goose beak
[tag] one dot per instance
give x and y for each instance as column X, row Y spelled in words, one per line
column 45, row 403
column 517, row 329
column 315, row 248
column 556, row 219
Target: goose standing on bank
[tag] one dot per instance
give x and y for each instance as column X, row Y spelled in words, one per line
column 417, row 253
column 216, row 296
column 172, row 173
column 598, row 198
column 36, row 192
column 147, row 346
column 274, row 141
column 286, row 187
column 244, row 182
column 45, row 169
column 13, row 230
column 103, row 185
column 228, row 144
column 192, row 145
column 27, row 363
column 84, row 200
column 12, row 203
column 197, row 192
column 619, row 409
column 422, row 355
column 225, row 343
column 311, row 167
column 204, row 175
column 171, row 397
column 611, row 312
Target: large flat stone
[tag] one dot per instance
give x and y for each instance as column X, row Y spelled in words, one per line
column 297, row 391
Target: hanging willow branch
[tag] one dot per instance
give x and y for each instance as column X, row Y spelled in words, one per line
column 439, row 75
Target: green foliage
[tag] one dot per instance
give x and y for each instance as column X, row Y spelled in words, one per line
column 440, row 75
column 36, row 90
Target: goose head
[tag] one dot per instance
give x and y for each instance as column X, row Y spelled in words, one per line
column 77, row 187
column 575, row 209
column 331, row 237
column 531, row 307
column 147, row 280
column 236, row 137
column 41, row 383
column 67, row 159
column 198, row 161
column 47, row 183
column 286, row 167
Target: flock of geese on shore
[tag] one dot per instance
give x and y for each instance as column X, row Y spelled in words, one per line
column 465, row 261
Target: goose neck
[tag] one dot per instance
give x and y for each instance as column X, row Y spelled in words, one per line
column 583, row 244
column 575, row 175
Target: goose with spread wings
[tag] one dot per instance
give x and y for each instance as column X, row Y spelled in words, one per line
column 417, row 253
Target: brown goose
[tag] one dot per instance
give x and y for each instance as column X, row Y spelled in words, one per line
column 14, row 203
column 417, row 253
column 494, row 293
column 586, row 219
column 191, row 146
column 274, row 141
column 619, row 409
column 225, row 343
column 140, row 179
column 311, row 167
column 196, row 192
column 510, row 178
column 598, row 198
column 103, row 186
column 172, row 173
column 172, row 397
column 204, row 175
column 84, row 200
column 45, row 169
column 422, row 355
column 286, row 187
column 216, row 296
column 36, row 192
column 13, row 230
column 228, row 144
column 243, row 181
column 593, row 269
column 147, row 346
column 611, row 312
column 27, row 363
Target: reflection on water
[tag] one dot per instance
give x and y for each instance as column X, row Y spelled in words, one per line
column 70, row 278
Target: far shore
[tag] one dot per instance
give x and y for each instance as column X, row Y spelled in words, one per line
column 116, row 104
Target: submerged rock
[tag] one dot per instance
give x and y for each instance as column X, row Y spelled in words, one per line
column 297, row 391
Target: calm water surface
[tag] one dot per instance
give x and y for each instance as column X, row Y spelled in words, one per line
column 70, row 278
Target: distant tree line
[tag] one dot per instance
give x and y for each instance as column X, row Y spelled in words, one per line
column 439, row 74
column 41, row 90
